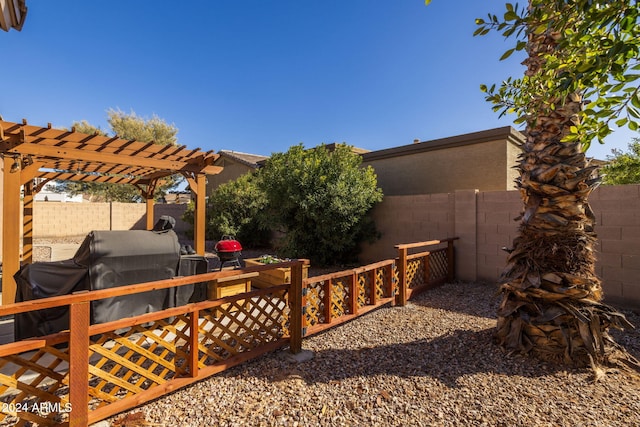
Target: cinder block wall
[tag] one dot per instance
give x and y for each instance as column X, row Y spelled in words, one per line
column 485, row 223
column 617, row 210
column 55, row 220
column 404, row 219
column 497, row 227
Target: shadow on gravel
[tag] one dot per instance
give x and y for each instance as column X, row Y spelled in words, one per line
column 446, row 359
column 475, row 299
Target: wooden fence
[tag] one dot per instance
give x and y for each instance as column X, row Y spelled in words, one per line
column 90, row 372
column 335, row 298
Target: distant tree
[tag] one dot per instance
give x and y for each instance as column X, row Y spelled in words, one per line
column 623, row 167
column 127, row 126
column 236, row 208
column 320, row 199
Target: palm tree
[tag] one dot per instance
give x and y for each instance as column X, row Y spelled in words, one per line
column 551, row 297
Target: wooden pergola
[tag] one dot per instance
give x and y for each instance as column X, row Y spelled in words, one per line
column 33, row 156
column 12, row 14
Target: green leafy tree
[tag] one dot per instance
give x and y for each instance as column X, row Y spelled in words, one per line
column 127, row 126
column 581, row 74
column 623, row 167
column 320, row 199
column 236, row 208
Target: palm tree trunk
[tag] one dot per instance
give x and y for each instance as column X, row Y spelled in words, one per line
column 551, row 297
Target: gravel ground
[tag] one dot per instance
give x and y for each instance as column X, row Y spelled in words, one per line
column 430, row 363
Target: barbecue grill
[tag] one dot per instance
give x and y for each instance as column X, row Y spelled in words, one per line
column 229, row 251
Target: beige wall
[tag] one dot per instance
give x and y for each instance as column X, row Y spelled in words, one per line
column 54, row 220
column 481, row 160
column 402, row 219
column 485, row 223
column 231, row 171
column 482, row 166
column 617, row 210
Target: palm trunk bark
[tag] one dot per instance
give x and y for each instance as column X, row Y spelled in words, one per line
column 551, row 297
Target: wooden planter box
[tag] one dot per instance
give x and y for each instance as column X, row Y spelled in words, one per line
column 277, row 276
column 227, row 286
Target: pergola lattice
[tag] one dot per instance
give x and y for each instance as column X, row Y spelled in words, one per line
column 32, row 156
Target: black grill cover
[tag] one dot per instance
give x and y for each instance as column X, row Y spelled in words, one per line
column 43, row 280
column 105, row 259
column 117, row 258
column 191, row 265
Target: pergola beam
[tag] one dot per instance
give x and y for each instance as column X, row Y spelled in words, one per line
column 75, row 153
column 69, row 176
column 12, row 14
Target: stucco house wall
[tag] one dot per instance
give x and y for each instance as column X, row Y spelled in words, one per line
column 231, row 171
column 481, row 160
column 234, row 164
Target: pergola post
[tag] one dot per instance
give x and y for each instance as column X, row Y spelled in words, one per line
column 148, row 193
column 10, row 227
column 200, row 213
column 27, row 223
column 150, row 205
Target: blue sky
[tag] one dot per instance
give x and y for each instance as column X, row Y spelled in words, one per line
column 260, row 76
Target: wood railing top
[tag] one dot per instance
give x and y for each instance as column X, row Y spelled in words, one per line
column 344, row 273
column 427, row 243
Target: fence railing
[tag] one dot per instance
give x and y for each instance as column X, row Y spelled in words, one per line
column 335, row 298
column 90, row 372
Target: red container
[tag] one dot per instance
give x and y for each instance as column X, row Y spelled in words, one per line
column 229, row 250
column 228, row 245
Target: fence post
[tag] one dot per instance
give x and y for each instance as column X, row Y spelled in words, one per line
column 390, row 279
column 450, row 261
column 194, row 341
column 295, row 322
column 355, row 292
column 402, row 276
column 79, row 319
column 328, row 295
column 373, row 289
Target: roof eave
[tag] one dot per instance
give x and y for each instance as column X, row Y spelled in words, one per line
column 508, row 133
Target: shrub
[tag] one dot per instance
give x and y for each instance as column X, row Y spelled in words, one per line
column 234, row 208
column 320, row 200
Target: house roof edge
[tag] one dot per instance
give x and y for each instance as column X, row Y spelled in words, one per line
column 507, row 132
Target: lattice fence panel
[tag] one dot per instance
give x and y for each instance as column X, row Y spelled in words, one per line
column 415, row 273
column 382, row 285
column 126, row 363
column 438, row 264
column 34, row 387
column 241, row 326
column 396, row 279
column 132, row 360
column 339, row 297
column 314, row 309
column 363, row 281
